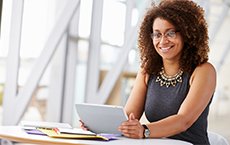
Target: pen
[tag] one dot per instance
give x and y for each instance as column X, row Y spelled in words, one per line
column 45, row 128
column 56, row 130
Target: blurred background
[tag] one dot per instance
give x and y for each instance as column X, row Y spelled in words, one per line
column 56, row 53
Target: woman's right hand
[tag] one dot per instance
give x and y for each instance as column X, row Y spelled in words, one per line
column 82, row 125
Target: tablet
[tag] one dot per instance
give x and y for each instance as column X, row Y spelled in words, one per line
column 101, row 118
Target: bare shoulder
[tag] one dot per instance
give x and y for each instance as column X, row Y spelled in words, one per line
column 145, row 75
column 205, row 70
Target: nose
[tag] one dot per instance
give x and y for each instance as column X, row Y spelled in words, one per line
column 163, row 39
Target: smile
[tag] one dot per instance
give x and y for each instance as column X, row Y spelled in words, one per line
column 165, row 49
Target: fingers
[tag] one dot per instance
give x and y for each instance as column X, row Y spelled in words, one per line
column 132, row 132
column 131, row 128
column 82, row 125
column 131, row 116
column 132, row 135
column 130, row 123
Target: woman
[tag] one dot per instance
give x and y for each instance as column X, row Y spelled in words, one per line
column 175, row 84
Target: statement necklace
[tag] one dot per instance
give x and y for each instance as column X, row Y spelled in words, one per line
column 168, row 81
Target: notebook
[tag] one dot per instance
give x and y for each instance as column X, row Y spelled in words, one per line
column 60, row 130
column 54, row 134
column 101, row 118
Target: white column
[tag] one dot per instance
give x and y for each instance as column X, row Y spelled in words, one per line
column 61, row 96
column 57, row 83
column 11, row 38
column 68, row 111
column 93, row 66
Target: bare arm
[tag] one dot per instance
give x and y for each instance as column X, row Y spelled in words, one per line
column 136, row 100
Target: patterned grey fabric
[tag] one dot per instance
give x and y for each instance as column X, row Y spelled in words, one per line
column 162, row 102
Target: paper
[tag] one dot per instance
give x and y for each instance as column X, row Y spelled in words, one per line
column 54, row 134
column 35, row 132
column 75, row 131
column 43, row 124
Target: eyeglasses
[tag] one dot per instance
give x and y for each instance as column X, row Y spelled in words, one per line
column 170, row 34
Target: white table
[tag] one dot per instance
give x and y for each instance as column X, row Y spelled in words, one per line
column 16, row 134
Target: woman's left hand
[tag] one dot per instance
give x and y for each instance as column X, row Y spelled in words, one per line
column 132, row 128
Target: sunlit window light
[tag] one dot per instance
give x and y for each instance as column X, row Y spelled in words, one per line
column 113, row 23
column 85, row 18
column 135, row 15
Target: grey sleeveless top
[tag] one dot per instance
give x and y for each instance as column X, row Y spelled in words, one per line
column 162, row 102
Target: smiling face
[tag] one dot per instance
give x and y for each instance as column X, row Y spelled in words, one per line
column 167, row 40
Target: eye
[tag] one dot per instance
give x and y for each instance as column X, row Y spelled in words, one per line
column 171, row 34
column 156, row 35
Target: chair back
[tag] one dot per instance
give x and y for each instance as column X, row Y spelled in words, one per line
column 217, row 139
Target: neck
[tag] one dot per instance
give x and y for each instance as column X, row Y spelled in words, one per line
column 171, row 69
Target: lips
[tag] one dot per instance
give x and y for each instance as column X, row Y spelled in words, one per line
column 165, row 49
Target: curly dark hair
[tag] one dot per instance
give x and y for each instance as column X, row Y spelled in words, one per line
column 188, row 19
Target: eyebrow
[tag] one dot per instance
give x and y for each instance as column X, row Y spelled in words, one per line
column 165, row 30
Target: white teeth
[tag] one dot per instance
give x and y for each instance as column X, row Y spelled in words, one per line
column 165, row 49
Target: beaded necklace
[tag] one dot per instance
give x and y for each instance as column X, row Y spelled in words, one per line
column 168, row 81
